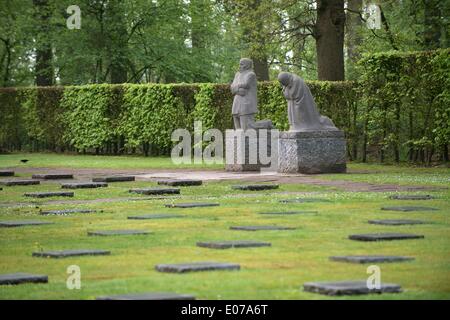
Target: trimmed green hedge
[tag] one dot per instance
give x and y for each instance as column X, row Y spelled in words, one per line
column 399, row 111
column 405, row 105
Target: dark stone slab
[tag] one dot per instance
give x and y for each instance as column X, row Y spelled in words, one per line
column 304, row 200
column 66, row 212
column 83, row 185
column 397, row 222
column 6, row 173
column 233, row 244
column 19, row 182
column 348, row 288
column 20, row 277
column 411, row 197
column 191, row 205
column 370, row 259
column 257, row 228
column 114, row 179
column 384, row 236
column 408, row 208
column 289, row 212
column 255, row 187
column 196, row 266
column 156, row 191
column 52, row 176
column 180, row 182
column 48, row 194
column 22, row 223
column 155, row 216
column 70, row 253
column 117, row 233
column 149, row 296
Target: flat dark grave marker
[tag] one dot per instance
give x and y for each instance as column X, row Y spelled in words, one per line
column 255, row 187
column 6, row 173
column 52, row 176
column 289, row 212
column 70, row 253
column 384, row 236
column 370, row 259
column 114, row 179
column 22, row 223
column 397, row 222
column 348, row 288
column 304, row 200
column 411, row 197
column 83, row 185
column 191, row 205
column 19, row 182
column 66, row 212
column 233, row 244
column 258, row 228
column 48, row 194
column 117, row 233
column 21, row 277
column 196, row 266
column 155, row 191
column 149, row 296
column 408, row 208
column 180, row 182
column 155, row 216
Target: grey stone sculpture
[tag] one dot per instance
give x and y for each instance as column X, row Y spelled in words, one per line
column 245, row 103
column 302, row 110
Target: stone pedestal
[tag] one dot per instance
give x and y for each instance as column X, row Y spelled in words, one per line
column 244, row 156
column 312, row 152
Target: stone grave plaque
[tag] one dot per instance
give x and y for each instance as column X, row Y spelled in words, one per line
column 114, row 179
column 149, row 296
column 66, row 212
column 396, row 222
column 348, row 288
column 155, row 216
column 19, row 182
column 21, row 277
column 180, row 182
column 117, row 232
column 196, row 266
column 155, row 191
column 408, row 208
column 48, row 194
column 370, row 259
column 191, row 205
column 258, row 228
column 83, row 185
column 384, row 236
column 255, row 187
column 232, row 244
column 52, row 176
column 70, row 253
column 21, row 223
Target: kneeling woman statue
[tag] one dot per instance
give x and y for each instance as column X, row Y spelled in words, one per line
column 302, row 111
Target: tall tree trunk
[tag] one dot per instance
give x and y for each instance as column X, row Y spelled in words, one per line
column 261, row 68
column 329, row 34
column 118, row 42
column 432, row 32
column 44, row 53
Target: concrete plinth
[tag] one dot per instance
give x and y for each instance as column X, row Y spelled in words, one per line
column 312, row 152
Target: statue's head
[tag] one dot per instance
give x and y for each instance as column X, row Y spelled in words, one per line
column 245, row 64
column 285, row 78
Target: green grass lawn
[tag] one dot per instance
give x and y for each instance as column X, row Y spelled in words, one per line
column 276, row 272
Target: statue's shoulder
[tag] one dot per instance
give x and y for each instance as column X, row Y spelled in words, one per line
column 251, row 75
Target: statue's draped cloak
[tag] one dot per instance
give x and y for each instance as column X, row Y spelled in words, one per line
column 244, row 104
